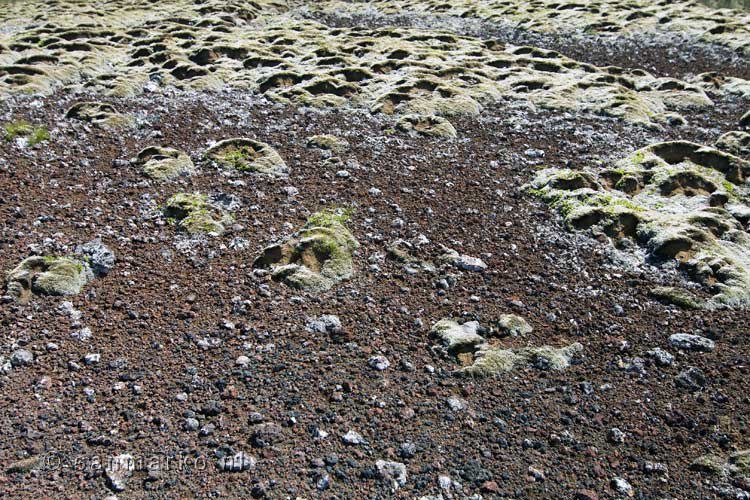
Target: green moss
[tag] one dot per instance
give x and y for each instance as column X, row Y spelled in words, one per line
column 38, row 135
column 238, row 159
column 247, row 155
column 33, row 135
column 195, row 214
column 677, row 296
column 17, row 129
column 48, row 275
column 315, row 258
column 330, row 217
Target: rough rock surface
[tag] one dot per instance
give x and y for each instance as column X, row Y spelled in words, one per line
column 605, row 361
column 678, row 200
column 317, row 257
column 164, row 163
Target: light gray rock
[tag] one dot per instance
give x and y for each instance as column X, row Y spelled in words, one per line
column 690, row 342
column 236, row 463
column 100, row 257
column 21, row 357
column 622, row 487
column 353, row 438
column 325, row 324
column 394, row 472
column 379, row 363
column 119, row 470
column 660, row 356
column 455, row 338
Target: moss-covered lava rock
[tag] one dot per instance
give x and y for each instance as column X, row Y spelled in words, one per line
column 481, row 358
column 493, row 361
column 678, row 200
column 164, row 163
column 455, row 338
column 435, row 126
column 317, row 257
column 195, row 214
column 736, row 143
column 677, row 296
column 44, row 275
column 97, row 113
column 328, row 142
column 248, row 155
column 736, row 465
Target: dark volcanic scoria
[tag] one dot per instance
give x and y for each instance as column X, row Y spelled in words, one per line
column 395, row 249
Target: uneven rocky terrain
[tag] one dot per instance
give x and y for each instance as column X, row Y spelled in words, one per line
column 394, row 249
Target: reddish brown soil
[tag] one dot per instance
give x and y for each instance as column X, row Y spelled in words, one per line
column 149, row 312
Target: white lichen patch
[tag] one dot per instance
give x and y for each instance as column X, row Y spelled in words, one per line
column 677, row 200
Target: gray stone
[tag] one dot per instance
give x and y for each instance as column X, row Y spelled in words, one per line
column 692, row 379
column 622, row 487
column 236, row 463
column 119, row 470
column 21, row 357
column 660, row 356
column 92, row 359
column 353, row 438
column 394, row 472
column 325, row 324
column 690, row 342
column 379, row 363
column 100, row 257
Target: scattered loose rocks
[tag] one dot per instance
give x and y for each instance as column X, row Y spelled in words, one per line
column 303, row 250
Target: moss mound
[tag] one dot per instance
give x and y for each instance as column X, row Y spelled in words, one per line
column 248, row 155
column 431, row 125
column 680, row 201
column 195, row 214
column 328, row 142
column 97, row 113
column 47, row 276
column 164, row 163
column 317, row 257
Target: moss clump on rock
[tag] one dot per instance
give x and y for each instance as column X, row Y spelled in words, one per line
column 33, row 135
column 736, row 143
column 195, row 214
column 681, row 202
column 677, row 296
column 328, row 142
column 97, row 113
column 315, row 258
column 434, row 126
column 513, row 325
column 482, row 359
column 492, row 361
column 164, row 163
column 455, row 338
column 736, row 465
column 47, row 276
column 248, row 155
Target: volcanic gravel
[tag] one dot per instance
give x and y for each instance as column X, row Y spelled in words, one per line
column 201, row 358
